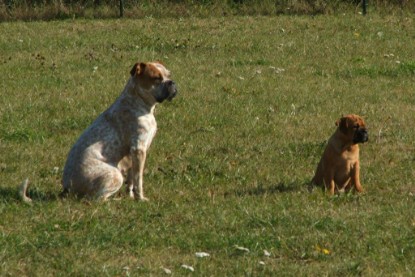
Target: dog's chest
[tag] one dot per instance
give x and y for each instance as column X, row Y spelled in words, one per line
column 147, row 128
column 345, row 166
column 350, row 157
column 133, row 122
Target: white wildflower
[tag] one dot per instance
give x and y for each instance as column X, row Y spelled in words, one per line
column 240, row 248
column 202, row 254
column 188, row 267
column 166, row 270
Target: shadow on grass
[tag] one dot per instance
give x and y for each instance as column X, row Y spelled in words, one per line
column 12, row 194
column 273, row 189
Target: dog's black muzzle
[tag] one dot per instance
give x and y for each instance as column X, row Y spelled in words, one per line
column 172, row 90
column 361, row 135
column 169, row 91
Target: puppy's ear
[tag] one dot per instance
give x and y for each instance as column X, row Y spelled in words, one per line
column 137, row 69
column 342, row 123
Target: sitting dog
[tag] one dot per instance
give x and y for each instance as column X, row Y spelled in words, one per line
column 339, row 167
column 113, row 149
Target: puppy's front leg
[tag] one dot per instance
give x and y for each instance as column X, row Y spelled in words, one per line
column 139, row 158
column 356, row 177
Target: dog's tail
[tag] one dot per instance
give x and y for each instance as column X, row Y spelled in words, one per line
column 23, row 191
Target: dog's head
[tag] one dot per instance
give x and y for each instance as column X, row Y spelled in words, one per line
column 153, row 80
column 354, row 128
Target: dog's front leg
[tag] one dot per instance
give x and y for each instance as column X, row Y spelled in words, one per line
column 130, row 183
column 139, row 158
column 356, row 177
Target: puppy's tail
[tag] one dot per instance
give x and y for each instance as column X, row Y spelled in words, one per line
column 311, row 185
column 23, row 191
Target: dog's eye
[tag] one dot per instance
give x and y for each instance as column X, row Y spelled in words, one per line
column 158, row 78
column 356, row 126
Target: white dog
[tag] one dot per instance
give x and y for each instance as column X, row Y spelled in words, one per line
column 113, row 149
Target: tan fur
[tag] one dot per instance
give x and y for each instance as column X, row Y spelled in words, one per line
column 339, row 167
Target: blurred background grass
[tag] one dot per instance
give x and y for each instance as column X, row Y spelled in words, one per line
column 65, row 9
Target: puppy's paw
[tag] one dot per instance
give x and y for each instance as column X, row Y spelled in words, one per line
column 359, row 189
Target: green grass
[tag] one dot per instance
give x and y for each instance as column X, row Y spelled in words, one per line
column 234, row 151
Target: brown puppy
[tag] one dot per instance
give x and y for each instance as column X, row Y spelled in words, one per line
column 339, row 167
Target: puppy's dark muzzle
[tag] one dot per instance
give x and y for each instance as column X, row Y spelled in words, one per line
column 361, row 136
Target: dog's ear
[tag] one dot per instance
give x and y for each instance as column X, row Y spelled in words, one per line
column 137, row 69
column 342, row 123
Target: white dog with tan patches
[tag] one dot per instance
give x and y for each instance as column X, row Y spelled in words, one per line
column 113, row 149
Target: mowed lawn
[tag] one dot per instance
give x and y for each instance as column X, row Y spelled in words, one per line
column 227, row 173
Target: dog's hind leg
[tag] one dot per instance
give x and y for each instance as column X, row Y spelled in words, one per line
column 318, row 179
column 108, row 183
column 329, row 182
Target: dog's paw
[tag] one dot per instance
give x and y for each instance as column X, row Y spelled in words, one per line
column 144, row 199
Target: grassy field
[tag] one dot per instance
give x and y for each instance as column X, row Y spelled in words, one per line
column 228, row 169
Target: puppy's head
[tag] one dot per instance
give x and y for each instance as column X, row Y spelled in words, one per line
column 153, row 79
column 354, row 128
